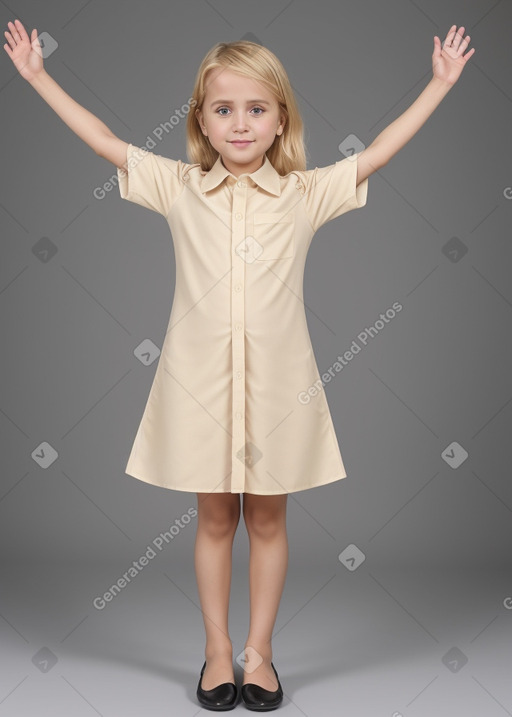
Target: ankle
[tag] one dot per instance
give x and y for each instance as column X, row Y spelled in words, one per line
column 219, row 650
column 255, row 653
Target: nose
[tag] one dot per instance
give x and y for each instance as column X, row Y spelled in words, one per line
column 239, row 121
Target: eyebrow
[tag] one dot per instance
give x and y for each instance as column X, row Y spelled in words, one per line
column 227, row 102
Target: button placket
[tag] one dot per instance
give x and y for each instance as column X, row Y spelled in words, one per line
column 239, row 210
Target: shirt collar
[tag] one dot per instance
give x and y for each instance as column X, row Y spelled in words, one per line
column 265, row 176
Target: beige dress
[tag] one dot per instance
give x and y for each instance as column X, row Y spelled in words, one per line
column 236, row 404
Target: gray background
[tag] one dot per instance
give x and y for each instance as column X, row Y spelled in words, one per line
column 435, row 581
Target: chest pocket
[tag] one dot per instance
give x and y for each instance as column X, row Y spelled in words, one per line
column 274, row 232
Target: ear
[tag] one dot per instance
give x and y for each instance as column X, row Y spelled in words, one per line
column 199, row 117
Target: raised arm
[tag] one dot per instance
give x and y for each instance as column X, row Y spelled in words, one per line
column 447, row 65
column 26, row 55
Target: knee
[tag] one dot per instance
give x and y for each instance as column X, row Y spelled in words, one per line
column 220, row 524
column 263, row 524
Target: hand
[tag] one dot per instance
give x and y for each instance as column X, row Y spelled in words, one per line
column 448, row 62
column 26, row 54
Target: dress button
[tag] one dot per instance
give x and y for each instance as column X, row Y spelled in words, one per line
column 238, row 415
column 238, row 215
column 238, row 327
column 238, row 287
column 240, row 183
column 239, row 374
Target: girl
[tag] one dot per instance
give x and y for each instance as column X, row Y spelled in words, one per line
column 242, row 215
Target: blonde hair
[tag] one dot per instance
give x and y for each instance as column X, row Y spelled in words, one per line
column 287, row 152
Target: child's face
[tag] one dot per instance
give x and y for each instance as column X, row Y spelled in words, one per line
column 230, row 112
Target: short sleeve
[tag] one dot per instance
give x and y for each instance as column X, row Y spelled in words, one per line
column 153, row 181
column 331, row 191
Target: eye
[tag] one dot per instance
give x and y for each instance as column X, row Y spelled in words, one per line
column 218, row 111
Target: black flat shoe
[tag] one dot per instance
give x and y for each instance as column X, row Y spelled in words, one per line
column 261, row 700
column 222, row 697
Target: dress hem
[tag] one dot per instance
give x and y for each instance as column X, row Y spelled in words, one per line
column 201, row 490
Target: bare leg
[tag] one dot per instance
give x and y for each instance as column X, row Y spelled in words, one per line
column 217, row 520
column 265, row 518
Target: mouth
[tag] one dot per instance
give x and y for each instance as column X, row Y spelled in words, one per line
column 240, row 142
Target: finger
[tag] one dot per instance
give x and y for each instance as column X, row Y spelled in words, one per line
column 15, row 35
column 21, row 30
column 10, row 39
column 463, row 45
column 469, row 54
column 450, row 35
column 458, row 37
column 437, row 47
column 8, row 50
column 13, row 28
column 447, row 44
column 35, row 42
